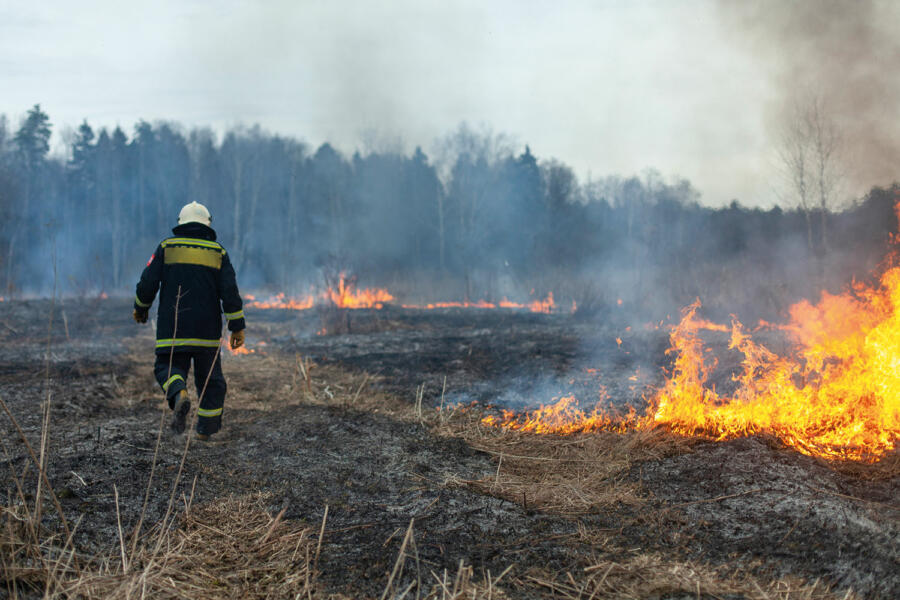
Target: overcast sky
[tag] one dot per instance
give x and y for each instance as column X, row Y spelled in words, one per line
column 606, row 87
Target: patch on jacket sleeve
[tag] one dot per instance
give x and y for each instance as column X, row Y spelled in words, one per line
column 152, row 256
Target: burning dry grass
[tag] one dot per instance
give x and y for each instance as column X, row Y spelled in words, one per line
column 561, row 474
column 584, row 473
column 652, row 576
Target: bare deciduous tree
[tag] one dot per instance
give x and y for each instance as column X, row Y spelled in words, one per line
column 808, row 153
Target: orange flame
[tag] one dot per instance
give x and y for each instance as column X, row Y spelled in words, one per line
column 562, row 418
column 836, row 395
column 280, row 301
column 434, row 305
column 347, row 296
column 546, row 305
column 241, row 350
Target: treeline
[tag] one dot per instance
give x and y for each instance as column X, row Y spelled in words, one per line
column 482, row 219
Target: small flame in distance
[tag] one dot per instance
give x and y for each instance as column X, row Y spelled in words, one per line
column 345, row 295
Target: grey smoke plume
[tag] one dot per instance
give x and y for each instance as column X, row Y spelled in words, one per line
column 846, row 54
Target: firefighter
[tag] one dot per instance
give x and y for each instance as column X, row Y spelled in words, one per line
column 196, row 284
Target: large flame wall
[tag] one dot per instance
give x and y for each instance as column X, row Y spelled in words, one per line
column 837, row 394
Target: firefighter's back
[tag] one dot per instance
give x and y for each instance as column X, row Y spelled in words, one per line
column 190, row 284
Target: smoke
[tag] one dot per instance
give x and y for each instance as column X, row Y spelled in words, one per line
column 844, row 54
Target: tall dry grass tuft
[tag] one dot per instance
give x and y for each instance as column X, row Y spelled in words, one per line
column 32, row 559
column 465, row 586
column 231, row 548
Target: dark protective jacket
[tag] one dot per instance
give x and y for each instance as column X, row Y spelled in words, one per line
column 194, row 262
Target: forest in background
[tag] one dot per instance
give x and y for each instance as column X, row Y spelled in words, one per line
column 482, row 219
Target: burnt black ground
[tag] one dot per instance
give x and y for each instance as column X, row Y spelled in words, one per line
column 786, row 513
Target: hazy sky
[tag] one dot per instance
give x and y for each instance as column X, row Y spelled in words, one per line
column 606, row 87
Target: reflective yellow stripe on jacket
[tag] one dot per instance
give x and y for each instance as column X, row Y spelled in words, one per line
column 205, row 257
column 191, row 251
column 235, row 315
column 193, row 242
column 166, row 343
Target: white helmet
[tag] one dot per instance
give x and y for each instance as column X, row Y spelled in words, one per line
column 194, row 213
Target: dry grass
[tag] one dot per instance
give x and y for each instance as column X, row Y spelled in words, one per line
column 464, row 586
column 652, row 576
column 563, row 474
column 232, row 548
column 568, row 475
column 31, row 558
column 265, row 382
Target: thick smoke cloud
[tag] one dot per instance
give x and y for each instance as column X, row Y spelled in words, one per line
column 844, row 53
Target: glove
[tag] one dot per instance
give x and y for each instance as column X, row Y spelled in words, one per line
column 237, row 339
column 140, row 316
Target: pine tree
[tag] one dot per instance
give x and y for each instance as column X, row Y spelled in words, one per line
column 32, row 143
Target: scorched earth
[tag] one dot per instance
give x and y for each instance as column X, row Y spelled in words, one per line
column 359, row 465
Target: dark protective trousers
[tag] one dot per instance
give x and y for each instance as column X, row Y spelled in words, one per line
column 206, row 363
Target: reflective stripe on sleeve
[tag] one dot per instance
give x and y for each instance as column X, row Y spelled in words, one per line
column 235, row 315
column 204, row 412
column 139, row 303
column 171, row 380
column 186, row 342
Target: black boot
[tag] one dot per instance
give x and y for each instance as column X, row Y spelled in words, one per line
column 181, row 410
